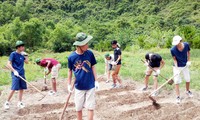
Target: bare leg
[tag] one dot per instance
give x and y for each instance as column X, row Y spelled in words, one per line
column 54, row 84
column 79, row 115
column 187, row 86
column 20, row 95
column 90, row 114
column 114, row 78
column 155, row 82
column 177, row 90
column 146, row 80
column 10, row 95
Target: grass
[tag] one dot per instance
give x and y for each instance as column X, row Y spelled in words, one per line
column 132, row 67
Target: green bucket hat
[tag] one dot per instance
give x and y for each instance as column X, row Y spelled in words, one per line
column 38, row 60
column 107, row 55
column 19, row 43
column 82, row 39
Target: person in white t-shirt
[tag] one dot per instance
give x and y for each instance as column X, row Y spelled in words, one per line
column 109, row 59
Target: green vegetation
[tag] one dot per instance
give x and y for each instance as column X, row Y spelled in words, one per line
column 132, row 67
column 52, row 24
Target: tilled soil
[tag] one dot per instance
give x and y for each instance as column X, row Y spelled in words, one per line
column 127, row 103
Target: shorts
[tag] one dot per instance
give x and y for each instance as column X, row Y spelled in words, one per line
column 84, row 99
column 149, row 71
column 18, row 84
column 55, row 70
column 185, row 72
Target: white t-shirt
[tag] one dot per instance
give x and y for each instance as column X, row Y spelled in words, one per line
column 111, row 60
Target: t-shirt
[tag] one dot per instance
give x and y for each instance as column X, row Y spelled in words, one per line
column 181, row 56
column 154, row 60
column 17, row 62
column 117, row 52
column 111, row 59
column 81, row 65
column 44, row 62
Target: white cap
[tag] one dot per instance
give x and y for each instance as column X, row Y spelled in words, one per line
column 176, row 40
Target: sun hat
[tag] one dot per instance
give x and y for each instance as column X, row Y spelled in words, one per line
column 107, row 55
column 82, row 39
column 38, row 60
column 19, row 43
column 176, row 40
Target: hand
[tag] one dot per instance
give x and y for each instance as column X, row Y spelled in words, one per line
column 16, row 73
column 46, row 69
column 96, row 85
column 158, row 71
column 69, row 87
column 24, row 53
column 114, row 63
column 146, row 64
column 45, row 76
column 188, row 63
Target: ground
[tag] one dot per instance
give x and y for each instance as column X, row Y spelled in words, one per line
column 128, row 103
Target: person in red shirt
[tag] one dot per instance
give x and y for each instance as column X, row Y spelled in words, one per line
column 51, row 66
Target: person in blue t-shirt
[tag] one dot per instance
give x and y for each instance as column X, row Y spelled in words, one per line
column 82, row 63
column 16, row 65
column 181, row 56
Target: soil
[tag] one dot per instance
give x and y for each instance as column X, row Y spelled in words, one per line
column 127, row 103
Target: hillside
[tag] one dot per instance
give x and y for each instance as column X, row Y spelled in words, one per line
column 52, row 24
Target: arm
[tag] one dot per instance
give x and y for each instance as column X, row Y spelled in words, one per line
column 48, row 72
column 26, row 59
column 175, row 62
column 162, row 64
column 188, row 54
column 48, row 63
column 94, row 72
column 9, row 65
column 119, row 58
column 69, row 79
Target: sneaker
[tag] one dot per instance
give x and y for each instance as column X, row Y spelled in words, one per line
column 119, row 86
column 155, row 94
column 189, row 93
column 178, row 100
column 144, row 88
column 51, row 92
column 6, row 105
column 20, row 105
column 107, row 81
column 114, row 86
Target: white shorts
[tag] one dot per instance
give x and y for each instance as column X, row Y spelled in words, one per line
column 85, row 99
column 55, row 70
column 149, row 71
column 185, row 72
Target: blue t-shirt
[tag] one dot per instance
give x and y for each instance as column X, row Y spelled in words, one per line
column 17, row 62
column 81, row 65
column 181, row 56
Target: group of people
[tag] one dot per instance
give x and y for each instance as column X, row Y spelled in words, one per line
column 81, row 63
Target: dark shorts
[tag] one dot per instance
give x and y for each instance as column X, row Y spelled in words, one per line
column 110, row 67
column 18, row 84
column 119, row 63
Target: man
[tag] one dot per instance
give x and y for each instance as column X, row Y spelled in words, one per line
column 117, row 62
column 51, row 66
column 181, row 56
column 82, row 63
column 16, row 65
column 154, row 63
column 109, row 59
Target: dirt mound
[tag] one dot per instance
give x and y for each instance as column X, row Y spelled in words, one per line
column 127, row 103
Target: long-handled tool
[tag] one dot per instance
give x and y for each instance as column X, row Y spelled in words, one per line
column 44, row 88
column 170, row 82
column 31, row 86
column 151, row 98
column 67, row 101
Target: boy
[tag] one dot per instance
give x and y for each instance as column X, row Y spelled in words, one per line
column 117, row 63
column 109, row 59
column 181, row 56
column 51, row 66
column 82, row 63
column 153, row 62
column 16, row 65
